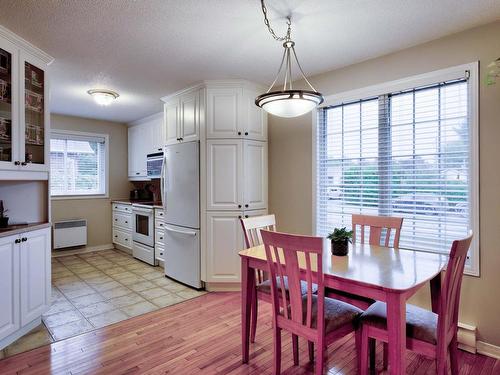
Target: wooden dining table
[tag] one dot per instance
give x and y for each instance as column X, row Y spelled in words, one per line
column 381, row 273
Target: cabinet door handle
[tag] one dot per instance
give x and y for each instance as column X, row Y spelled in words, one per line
column 246, row 133
column 239, row 216
column 116, row 236
column 181, row 139
column 246, row 205
column 137, row 172
column 17, row 162
column 24, row 239
column 24, row 164
column 247, row 216
column 116, row 219
column 239, row 206
column 159, row 149
column 161, row 238
column 126, row 239
column 17, row 240
column 239, row 133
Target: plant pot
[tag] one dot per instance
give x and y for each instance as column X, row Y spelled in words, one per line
column 340, row 248
column 4, row 222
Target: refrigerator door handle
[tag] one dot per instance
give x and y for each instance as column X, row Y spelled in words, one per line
column 162, row 180
column 180, row 231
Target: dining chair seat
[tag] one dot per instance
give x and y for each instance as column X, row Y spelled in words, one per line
column 421, row 324
column 337, row 313
column 265, row 286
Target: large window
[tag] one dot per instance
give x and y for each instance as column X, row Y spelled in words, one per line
column 407, row 153
column 78, row 164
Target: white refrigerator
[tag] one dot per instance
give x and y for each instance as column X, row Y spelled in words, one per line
column 181, row 202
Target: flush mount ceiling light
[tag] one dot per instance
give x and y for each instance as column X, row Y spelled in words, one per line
column 493, row 72
column 288, row 102
column 102, row 96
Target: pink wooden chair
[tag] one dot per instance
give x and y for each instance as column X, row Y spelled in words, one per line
column 318, row 319
column 251, row 228
column 428, row 333
column 378, row 225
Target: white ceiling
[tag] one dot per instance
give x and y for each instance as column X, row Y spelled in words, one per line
column 145, row 49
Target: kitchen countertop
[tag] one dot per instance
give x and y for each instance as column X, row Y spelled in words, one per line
column 21, row 228
column 146, row 203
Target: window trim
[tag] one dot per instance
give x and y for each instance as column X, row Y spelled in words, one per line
column 441, row 75
column 55, row 132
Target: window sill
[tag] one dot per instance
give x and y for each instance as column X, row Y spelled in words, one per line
column 76, row 197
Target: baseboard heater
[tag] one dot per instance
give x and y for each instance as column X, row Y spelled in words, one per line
column 70, row 233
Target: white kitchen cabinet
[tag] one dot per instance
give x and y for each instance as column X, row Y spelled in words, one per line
column 255, row 175
column 224, row 174
column 224, row 112
column 35, row 265
column 157, row 134
column 225, row 239
column 24, row 106
column 236, row 174
column 182, row 117
column 25, row 277
column 122, row 226
column 255, row 119
column 9, row 280
column 172, row 121
column 139, row 145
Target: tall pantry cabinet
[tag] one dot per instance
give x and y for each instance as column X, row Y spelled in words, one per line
column 233, row 168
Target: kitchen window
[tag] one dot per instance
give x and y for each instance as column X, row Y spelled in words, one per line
column 78, row 164
column 410, row 153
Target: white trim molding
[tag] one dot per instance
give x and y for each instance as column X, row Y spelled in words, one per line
column 24, row 44
column 471, row 71
column 489, row 350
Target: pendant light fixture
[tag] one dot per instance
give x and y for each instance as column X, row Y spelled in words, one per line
column 288, row 102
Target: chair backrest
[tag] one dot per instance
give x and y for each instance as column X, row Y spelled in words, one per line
column 377, row 224
column 291, row 257
column 450, row 291
column 253, row 225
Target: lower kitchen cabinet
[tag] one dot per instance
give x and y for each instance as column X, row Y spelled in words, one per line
column 225, row 239
column 122, row 226
column 25, row 274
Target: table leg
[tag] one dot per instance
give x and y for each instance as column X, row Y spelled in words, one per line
column 396, row 327
column 436, row 292
column 247, row 285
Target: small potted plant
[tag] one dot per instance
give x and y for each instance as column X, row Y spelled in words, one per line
column 340, row 238
column 4, row 220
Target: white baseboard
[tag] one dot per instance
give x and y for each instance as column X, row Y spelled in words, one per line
column 488, row 349
column 83, row 250
column 466, row 337
column 223, row 287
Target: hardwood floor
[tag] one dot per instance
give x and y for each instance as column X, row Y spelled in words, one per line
column 198, row 336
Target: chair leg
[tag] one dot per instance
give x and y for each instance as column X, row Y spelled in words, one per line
column 277, row 350
column 454, row 356
column 310, row 346
column 320, row 356
column 253, row 322
column 295, row 346
column 386, row 356
column 441, row 363
column 358, row 343
column 363, row 357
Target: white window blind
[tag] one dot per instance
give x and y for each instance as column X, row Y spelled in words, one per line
column 77, row 165
column 401, row 154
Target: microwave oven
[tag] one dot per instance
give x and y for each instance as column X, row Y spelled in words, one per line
column 154, row 165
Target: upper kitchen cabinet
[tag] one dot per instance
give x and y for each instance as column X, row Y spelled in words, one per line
column 183, row 116
column 232, row 113
column 24, row 105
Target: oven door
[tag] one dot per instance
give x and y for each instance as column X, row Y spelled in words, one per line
column 143, row 226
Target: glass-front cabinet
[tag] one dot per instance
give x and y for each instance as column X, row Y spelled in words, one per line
column 33, row 116
column 24, row 115
column 7, row 102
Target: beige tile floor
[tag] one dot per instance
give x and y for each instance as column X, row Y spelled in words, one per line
column 96, row 289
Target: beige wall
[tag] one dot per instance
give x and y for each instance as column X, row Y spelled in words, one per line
column 96, row 211
column 290, row 154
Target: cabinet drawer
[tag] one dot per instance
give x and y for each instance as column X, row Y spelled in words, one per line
column 159, row 224
column 122, row 220
column 122, row 207
column 159, row 236
column 160, row 252
column 122, row 238
column 159, row 213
